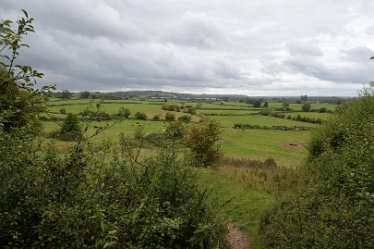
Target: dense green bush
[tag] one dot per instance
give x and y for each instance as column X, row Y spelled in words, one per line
column 140, row 116
column 185, row 118
column 77, row 201
column 70, row 128
column 124, row 112
column 169, row 116
column 202, row 140
column 336, row 210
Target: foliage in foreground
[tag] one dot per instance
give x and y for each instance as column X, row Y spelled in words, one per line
column 73, row 201
column 336, row 211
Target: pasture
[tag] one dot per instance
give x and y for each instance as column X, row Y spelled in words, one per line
column 243, row 192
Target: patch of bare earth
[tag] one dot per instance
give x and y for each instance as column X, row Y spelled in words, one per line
column 239, row 239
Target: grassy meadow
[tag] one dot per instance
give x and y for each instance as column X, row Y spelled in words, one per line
column 244, row 193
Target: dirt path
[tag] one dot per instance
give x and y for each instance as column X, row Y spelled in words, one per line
column 238, row 239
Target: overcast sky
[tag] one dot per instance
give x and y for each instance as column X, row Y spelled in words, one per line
column 253, row 47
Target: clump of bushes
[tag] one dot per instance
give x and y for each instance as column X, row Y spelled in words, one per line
column 70, row 128
column 169, row 117
column 75, row 201
column 140, row 116
column 185, row 118
column 202, row 141
column 172, row 108
column 335, row 209
column 124, row 112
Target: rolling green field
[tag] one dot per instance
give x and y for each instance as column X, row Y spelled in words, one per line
column 240, row 202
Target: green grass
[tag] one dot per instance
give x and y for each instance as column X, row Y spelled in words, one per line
column 323, row 116
column 229, row 121
column 243, row 205
column 262, row 144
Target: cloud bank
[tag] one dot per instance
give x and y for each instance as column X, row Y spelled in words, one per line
column 267, row 47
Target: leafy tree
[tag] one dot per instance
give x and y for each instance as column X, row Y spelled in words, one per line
column 257, row 103
column 185, row 118
column 20, row 102
column 306, row 107
column 65, row 94
column 202, row 140
column 286, row 106
column 124, row 112
column 266, row 104
column 85, row 95
column 140, row 116
column 71, row 128
column 175, row 130
column 169, row 116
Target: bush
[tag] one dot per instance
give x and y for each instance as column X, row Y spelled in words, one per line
column 62, row 111
column 175, row 130
column 156, row 118
column 76, row 201
column 335, row 210
column 70, row 128
column 202, row 140
column 124, row 112
column 169, row 117
column 185, row 118
column 140, row 116
column 306, row 107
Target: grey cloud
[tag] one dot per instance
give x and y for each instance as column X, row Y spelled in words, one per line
column 238, row 45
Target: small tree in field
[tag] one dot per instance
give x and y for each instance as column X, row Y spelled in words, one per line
column 124, row 112
column 202, row 140
column 306, row 107
column 169, row 116
column 70, row 129
column 140, row 116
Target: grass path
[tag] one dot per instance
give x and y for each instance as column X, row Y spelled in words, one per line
column 242, row 205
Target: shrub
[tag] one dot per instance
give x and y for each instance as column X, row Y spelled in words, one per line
column 335, row 210
column 156, row 118
column 169, row 117
column 75, row 201
column 185, row 118
column 306, row 107
column 70, row 128
column 175, row 130
column 202, row 140
column 140, row 116
column 124, row 112
column 62, row 111
column 257, row 103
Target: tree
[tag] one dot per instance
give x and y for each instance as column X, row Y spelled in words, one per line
column 140, row 116
column 306, row 107
column 286, row 106
column 169, row 116
column 304, row 97
column 65, row 94
column 257, row 103
column 20, row 102
column 124, row 112
column 202, row 140
column 185, row 118
column 85, row 95
column 266, row 104
column 71, row 128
